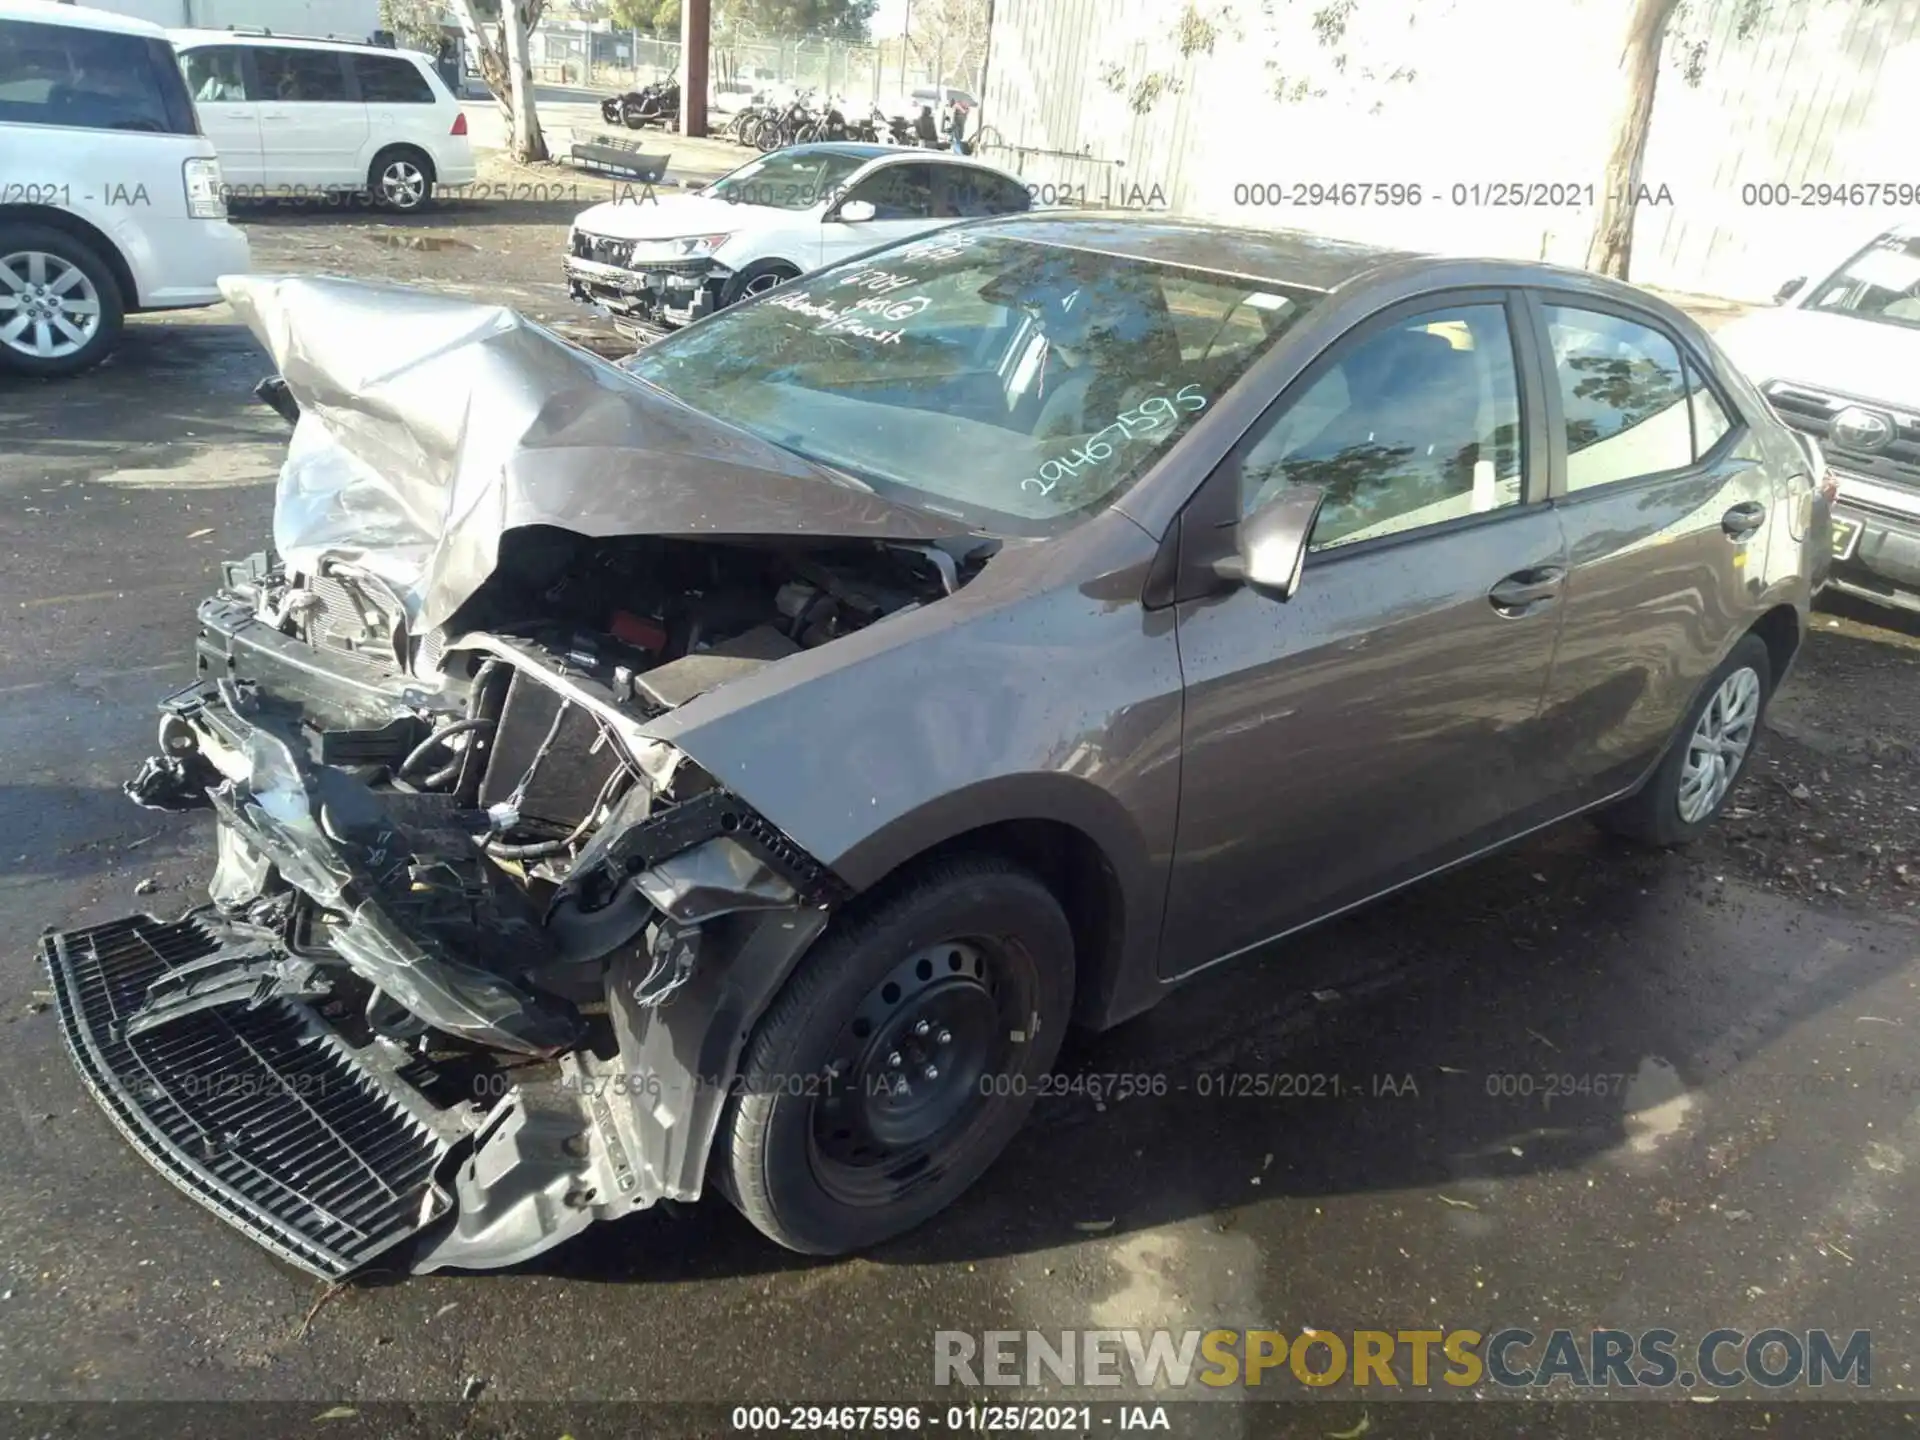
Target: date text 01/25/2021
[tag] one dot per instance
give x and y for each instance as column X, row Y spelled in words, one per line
column 1463, row 194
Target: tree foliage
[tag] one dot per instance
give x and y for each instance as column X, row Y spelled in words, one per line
column 849, row 20
column 415, row 23
column 659, row 17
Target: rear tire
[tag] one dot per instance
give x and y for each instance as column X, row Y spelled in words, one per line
column 401, row 180
column 1711, row 750
column 899, row 1058
column 61, row 310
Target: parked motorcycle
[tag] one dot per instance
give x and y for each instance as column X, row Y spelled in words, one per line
column 656, row 104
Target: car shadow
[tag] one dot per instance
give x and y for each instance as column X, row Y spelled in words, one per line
column 1516, row 1017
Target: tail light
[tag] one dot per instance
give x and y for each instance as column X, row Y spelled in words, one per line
column 459, row 124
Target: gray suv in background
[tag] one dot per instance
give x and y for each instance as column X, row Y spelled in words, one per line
column 739, row 768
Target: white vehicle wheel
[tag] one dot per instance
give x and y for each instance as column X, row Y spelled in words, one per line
column 60, row 310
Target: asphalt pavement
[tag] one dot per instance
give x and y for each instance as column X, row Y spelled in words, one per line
column 1751, row 1159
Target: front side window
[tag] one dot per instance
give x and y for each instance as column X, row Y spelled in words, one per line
column 309, row 76
column 899, row 192
column 87, row 79
column 1014, row 384
column 1881, row 283
column 215, row 74
column 1416, row 424
column 388, row 80
column 1623, row 397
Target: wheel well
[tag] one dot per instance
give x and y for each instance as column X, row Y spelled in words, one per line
column 1779, row 630
column 426, row 160
column 95, row 238
column 1070, row 864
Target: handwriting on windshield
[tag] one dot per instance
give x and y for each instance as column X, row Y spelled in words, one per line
column 1149, row 417
column 854, row 321
column 876, row 280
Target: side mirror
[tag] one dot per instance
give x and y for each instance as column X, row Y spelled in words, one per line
column 1270, row 545
column 856, row 212
column 1787, row 291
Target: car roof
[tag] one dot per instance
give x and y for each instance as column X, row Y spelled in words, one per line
column 259, row 37
column 852, row 149
column 1280, row 257
column 1296, row 258
column 79, row 17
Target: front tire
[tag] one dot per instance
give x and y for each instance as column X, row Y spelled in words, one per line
column 1710, row 752
column 899, row 1058
column 755, row 279
column 61, row 310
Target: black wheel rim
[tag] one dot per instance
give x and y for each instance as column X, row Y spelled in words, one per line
column 917, row 1067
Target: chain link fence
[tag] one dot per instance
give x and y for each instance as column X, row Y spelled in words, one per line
column 616, row 60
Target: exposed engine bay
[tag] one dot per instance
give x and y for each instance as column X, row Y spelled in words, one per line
column 459, row 869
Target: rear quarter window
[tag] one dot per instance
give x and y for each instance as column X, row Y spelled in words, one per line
column 389, row 80
column 79, row 79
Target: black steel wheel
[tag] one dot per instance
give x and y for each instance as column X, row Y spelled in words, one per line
column 899, row 1058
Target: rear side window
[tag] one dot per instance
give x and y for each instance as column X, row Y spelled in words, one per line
column 1710, row 420
column 388, row 80
column 300, row 75
column 969, row 192
column 1623, row 396
column 91, row 80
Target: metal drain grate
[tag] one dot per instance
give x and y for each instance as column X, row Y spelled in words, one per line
column 262, row 1114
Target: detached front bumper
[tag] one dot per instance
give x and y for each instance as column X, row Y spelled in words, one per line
column 373, row 1043
column 664, row 296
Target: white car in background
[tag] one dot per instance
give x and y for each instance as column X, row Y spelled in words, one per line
column 664, row 261
column 297, row 117
column 110, row 197
column 1839, row 360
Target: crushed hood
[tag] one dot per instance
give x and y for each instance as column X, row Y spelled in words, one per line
column 429, row 427
column 670, row 217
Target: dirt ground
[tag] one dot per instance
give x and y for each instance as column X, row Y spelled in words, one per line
column 1830, row 810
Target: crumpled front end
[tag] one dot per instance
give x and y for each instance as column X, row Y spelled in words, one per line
column 480, row 954
column 428, row 1002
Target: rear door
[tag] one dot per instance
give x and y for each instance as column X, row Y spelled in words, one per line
column 1666, row 508
column 217, row 79
column 964, row 192
column 313, row 132
column 401, row 105
column 902, row 197
column 1385, row 720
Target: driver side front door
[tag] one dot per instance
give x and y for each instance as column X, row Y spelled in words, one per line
column 903, row 204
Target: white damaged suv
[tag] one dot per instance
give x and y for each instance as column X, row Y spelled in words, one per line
column 1839, row 360
column 662, row 261
column 110, row 195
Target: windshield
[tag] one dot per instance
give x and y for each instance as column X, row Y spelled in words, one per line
column 787, row 179
column 1881, row 283
column 1014, row 384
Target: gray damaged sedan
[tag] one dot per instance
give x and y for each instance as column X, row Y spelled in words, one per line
column 738, row 768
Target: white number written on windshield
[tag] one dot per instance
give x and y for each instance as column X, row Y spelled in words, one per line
column 1149, row 417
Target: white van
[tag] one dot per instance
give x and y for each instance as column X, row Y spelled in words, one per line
column 296, row 117
column 110, row 196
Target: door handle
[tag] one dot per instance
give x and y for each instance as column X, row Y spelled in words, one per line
column 1524, row 589
column 1743, row 519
